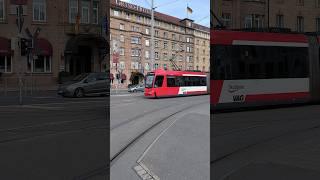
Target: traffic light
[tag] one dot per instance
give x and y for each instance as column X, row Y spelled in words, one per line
column 26, row 45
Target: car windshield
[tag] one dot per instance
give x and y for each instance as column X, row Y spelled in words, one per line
column 80, row 77
column 149, row 80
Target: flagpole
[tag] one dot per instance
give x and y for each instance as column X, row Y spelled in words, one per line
column 187, row 11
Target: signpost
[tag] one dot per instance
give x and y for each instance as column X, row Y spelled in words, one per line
column 19, row 22
column 32, row 50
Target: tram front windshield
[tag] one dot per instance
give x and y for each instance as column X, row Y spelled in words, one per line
column 149, row 80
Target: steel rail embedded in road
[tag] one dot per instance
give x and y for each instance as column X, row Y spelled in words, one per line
column 122, row 150
column 32, row 131
column 266, row 140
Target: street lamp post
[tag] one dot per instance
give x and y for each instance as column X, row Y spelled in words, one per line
column 152, row 35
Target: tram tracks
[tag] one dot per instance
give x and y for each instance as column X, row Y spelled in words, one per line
column 155, row 123
column 296, row 126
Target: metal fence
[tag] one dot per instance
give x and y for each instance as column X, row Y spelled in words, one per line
column 27, row 86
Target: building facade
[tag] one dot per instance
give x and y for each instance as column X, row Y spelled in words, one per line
column 297, row 15
column 68, row 36
column 130, row 43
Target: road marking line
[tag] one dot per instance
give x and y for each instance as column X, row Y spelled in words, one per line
column 144, row 173
column 154, row 141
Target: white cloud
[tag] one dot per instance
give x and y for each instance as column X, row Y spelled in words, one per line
column 128, row 1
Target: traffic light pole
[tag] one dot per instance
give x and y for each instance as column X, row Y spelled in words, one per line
column 18, row 56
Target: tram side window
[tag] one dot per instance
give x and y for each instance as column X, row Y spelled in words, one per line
column 158, row 82
column 171, row 82
column 203, row 81
column 259, row 62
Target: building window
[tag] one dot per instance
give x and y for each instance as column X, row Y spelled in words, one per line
column 253, row 20
column 226, row 19
column 156, row 55
column 165, row 56
column 279, row 21
column 42, row 64
column 165, row 44
column 85, row 13
column 147, row 31
column 147, row 54
column 197, row 67
column 189, row 49
column 147, row 66
column 147, row 42
column 73, row 10
column 122, row 27
column 135, row 29
column 156, row 66
column 173, row 36
column 156, row 33
column 121, row 51
column 156, row 44
column 188, row 39
column 121, row 38
column 300, row 2
column 318, row 24
column 5, row 64
column 173, row 46
column 300, row 24
column 39, row 10
column 165, row 34
column 122, row 65
column 317, row 3
column 135, row 52
column 127, row 15
column 116, row 13
column 95, row 12
column 2, row 10
column 135, row 40
column 164, row 66
column 139, row 19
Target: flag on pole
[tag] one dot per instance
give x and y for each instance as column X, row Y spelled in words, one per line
column 189, row 10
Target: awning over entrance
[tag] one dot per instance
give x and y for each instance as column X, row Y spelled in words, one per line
column 43, row 47
column 123, row 77
column 5, row 47
column 75, row 41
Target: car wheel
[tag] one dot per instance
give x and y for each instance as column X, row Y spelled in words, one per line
column 78, row 92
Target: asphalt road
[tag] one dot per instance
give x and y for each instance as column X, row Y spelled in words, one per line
column 159, row 138
column 268, row 144
column 50, row 137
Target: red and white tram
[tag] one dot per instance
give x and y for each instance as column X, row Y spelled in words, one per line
column 164, row 83
column 263, row 68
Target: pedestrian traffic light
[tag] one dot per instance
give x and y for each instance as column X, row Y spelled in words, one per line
column 25, row 45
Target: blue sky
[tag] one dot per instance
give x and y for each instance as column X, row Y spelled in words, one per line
column 177, row 8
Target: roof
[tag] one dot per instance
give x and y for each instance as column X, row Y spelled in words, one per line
column 227, row 37
column 170, row 72
column 157, row 15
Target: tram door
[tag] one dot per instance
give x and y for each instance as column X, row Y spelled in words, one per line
column 314, row 67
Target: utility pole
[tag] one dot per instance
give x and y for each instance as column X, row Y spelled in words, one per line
column 152, row 35
column 19, row 22
column 268, row 14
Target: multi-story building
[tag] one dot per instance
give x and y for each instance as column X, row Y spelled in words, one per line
column 297, row 15
column 71, row 38
column 130, row 39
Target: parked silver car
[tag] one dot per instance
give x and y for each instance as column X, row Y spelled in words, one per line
column 85, row 84
column 136, row 88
